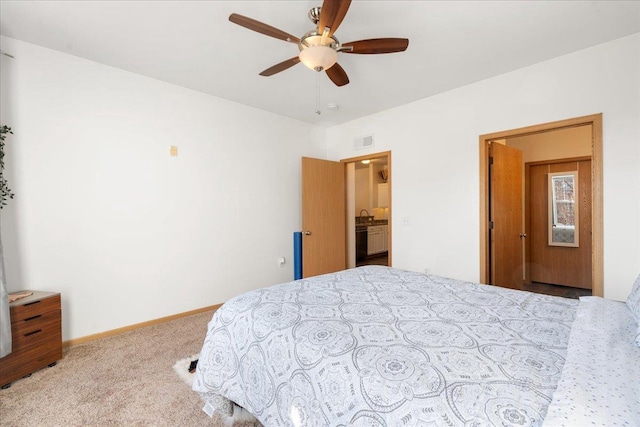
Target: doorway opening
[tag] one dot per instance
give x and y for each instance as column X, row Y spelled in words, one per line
column 596, row 196
column 558, row 194
column 368, row 209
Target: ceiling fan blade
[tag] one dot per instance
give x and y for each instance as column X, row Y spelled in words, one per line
column 373, row 46
column 280, row 67
column 262, row 28
column 331, row 14
column 337, row 75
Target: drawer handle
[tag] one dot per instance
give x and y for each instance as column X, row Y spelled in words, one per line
column 32, row 333
column 31, row 303
column 32, row 318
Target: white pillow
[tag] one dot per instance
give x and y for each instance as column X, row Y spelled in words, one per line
column 633, row 302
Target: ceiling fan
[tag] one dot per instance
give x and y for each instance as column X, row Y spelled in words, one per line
column 319, row 47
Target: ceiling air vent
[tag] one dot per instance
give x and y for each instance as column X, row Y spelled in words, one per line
column 363, row 142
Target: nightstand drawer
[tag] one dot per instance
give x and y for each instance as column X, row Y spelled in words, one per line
column 36, row 330
column 29, row 308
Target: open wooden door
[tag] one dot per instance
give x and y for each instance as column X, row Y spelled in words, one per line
column 323, row 217
column 505, row 216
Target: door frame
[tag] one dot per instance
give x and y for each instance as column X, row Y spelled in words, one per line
column 597, row 256
column 379, row 155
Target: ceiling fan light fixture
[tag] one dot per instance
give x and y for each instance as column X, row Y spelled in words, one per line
column 318, row 58
column 319, row 47
column 316, row 53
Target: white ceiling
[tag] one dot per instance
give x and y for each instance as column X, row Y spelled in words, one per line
column 192, row 44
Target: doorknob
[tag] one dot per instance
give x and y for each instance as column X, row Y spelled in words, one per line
column 308, row 233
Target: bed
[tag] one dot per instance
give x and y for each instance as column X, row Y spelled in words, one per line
column 379, row 346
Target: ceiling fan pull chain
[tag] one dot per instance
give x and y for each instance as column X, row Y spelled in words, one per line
column 318, row 112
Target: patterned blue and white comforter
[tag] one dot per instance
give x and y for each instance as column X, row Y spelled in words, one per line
column 378, row 346
column 600, row 383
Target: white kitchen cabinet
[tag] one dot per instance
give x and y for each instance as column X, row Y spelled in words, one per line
column 377, row 240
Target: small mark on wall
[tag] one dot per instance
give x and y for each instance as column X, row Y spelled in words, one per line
column 173, row 151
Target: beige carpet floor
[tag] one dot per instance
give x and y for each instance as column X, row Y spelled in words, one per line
column 123, row 380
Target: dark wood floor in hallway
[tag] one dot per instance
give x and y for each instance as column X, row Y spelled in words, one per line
column 557, row 290
column 382, row 259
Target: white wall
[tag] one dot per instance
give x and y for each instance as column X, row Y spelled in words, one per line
column 435, row 155
column 105, row 216
column 556, row 144
column 363, row 198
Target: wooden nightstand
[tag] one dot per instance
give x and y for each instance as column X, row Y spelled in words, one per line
column 36, row 331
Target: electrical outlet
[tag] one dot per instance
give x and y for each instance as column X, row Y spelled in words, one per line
column 427, row 270
column 405, row 221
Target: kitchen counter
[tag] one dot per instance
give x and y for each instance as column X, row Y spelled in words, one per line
column 367, row 221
